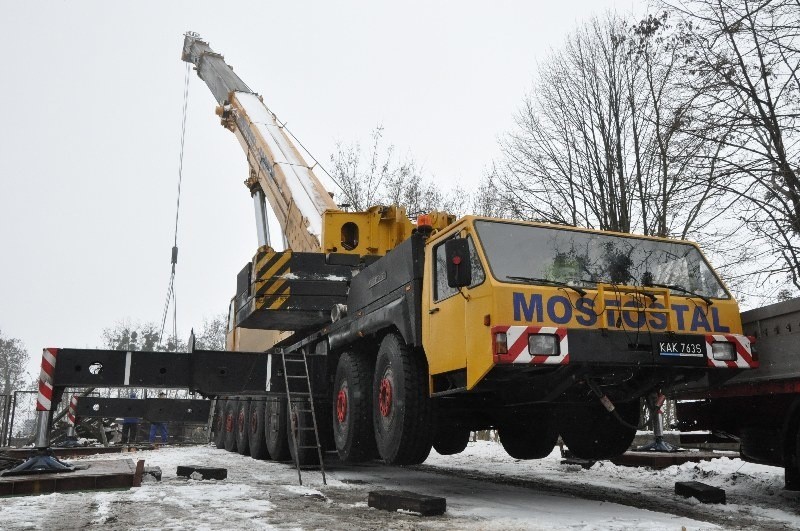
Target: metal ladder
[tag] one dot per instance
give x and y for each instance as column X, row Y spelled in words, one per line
column 299, row 362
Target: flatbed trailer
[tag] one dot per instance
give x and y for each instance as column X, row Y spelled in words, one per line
column 761, row 408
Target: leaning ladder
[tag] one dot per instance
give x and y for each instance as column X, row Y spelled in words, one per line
column 299, row 362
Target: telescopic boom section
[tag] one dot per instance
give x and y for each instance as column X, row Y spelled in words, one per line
column 277, row 169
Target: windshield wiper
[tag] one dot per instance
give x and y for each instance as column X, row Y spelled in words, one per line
column 576, row 289
column 705, row 299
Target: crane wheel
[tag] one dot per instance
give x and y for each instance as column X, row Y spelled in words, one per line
column 533, row 439
column 275, row 432
column 243, row 427
column 401, row 407
column 591, row 432
column 451, row 440
column 219, row 424
column 231, row 414
column 352, row 409
column 256, row 434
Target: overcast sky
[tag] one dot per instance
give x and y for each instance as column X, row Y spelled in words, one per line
column 92, row 96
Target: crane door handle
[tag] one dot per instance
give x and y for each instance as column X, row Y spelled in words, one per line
column 433, row 310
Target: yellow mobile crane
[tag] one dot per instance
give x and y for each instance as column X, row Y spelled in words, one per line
column 474, row 323
column 380, row 337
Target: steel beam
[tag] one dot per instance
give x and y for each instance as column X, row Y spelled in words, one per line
column 152, row 409
column 209, row 372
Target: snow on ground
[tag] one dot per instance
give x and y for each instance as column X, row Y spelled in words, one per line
column 485, row 489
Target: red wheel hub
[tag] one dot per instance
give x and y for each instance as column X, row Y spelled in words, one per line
column 341, row 406
column 228, row 422
column 385, row 397
column 241, row 422
column 253, row 422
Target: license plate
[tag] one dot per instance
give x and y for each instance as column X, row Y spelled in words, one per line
column 682, row 346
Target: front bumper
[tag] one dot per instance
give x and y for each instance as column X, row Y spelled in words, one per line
column 619, row 348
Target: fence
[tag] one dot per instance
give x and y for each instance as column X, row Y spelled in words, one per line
column 5, row 418
column 22, row 418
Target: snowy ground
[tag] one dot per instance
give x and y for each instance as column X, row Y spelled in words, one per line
column 485, row 489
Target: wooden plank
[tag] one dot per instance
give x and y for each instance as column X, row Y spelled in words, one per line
column 137, row 475
column 660, row 460
column 701, row 491
column 206, row 472
column 99, row 475
column 393, row 500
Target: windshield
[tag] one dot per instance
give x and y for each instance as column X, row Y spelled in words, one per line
column 583, row 259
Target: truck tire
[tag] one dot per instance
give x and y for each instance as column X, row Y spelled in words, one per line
column 791, row 463
column 401, row 408
column 451, row 440
column 530, row 440
column 352, row 409
column 591, row 432
column 301, row 424
column 243, row 427
column 231, row 412
column 256, row 434
column 219, row 424
column 275, row 431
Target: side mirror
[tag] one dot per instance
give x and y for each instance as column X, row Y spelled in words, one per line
column 459, row 267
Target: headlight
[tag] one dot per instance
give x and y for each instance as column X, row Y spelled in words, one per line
column 542, row 345
column 722, row 351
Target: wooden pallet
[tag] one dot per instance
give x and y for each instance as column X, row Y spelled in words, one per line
column 99, row 475
column 659, row 460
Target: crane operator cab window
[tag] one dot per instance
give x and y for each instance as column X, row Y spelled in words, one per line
column 349, row 236
column 441, row 290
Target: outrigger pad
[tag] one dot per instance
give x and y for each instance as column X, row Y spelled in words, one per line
column 393, row 500
column 205, row 472
column 41, row 462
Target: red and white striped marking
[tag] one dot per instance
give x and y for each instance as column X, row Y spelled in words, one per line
column 44, row 401
column 744, row 351
column 517, row 341
column 73, row 405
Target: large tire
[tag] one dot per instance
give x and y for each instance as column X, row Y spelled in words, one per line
column 591, row 432
column 219, row 424
column 256, row 434
column 275, row 432
column 243, row 427
column 301, row 424
column 231, row 412
column 352, row 409
column 400, row 404
column 451, row 440
column 532, row 438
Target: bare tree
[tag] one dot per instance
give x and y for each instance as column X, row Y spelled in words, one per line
column 212, row 333
column 487, row 199
column 600, row 142
column 744, row 66
column 144, row 337
column 382, row 178
column 13, row 358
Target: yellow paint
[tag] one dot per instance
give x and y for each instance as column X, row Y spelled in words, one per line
column 373, row 232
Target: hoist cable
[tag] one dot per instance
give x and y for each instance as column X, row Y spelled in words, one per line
column 171, row 288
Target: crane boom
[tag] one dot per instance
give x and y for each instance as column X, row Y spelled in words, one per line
column 278, row 172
